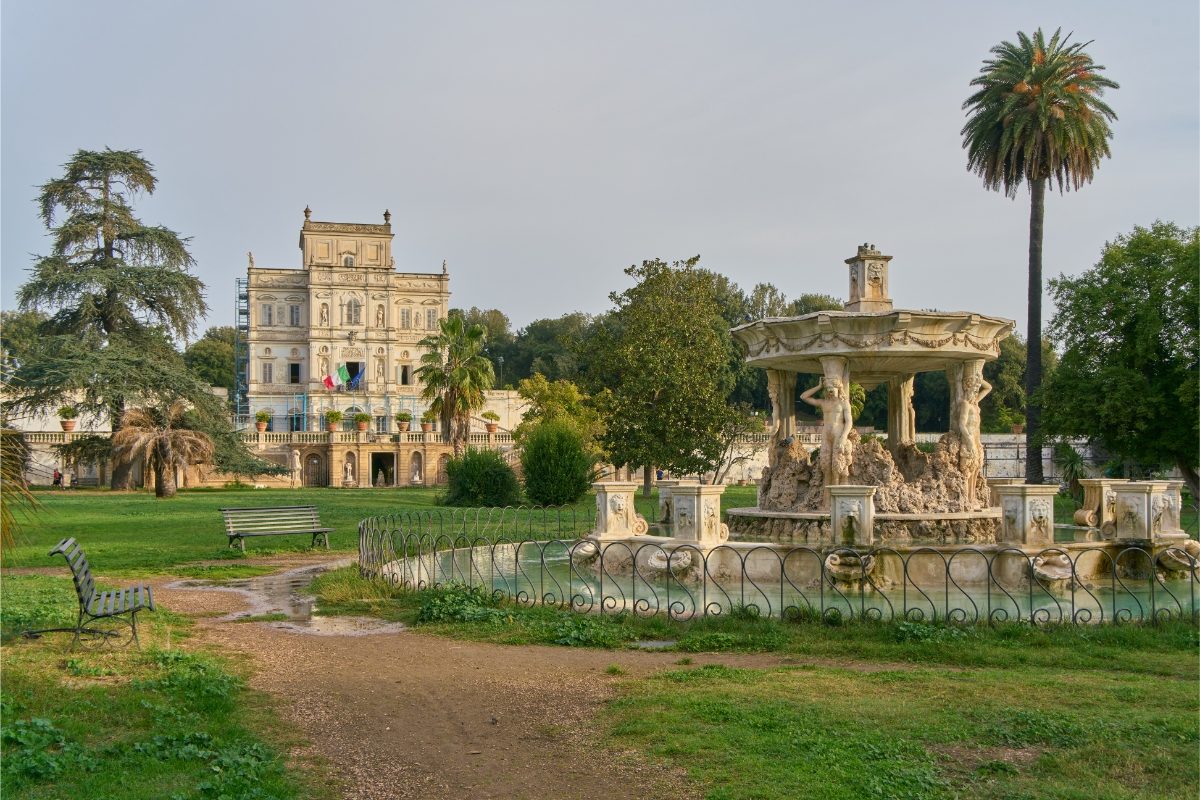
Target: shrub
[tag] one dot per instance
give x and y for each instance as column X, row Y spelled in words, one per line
column 557, row 468
column 362, row 417
column 262, row 416
column 67, row 412
column 429, row 417
column 490, row 416
column 333, row 417
column 481, row 478
column 404, row 416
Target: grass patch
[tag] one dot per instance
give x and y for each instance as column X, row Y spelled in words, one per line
column 828, row 732
column 1168, row 649
column 277, row 616
column 136, row 533
column 157, row 723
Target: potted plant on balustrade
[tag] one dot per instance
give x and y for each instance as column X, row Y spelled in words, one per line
column 66, row 417
column 403, row 421
column 427, row 420
column 332, row 418
column 361, row 420
column 261, row 419
column 491, row 420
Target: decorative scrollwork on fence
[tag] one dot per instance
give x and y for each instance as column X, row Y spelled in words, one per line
column 537, row 556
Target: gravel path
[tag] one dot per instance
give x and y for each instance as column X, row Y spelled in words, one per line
column 404, row 715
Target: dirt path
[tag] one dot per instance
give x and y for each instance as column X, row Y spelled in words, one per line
column 404, row 715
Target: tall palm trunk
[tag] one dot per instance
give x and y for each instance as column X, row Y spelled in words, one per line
column 646, row 481
column 1033, row 358
column 164, row 471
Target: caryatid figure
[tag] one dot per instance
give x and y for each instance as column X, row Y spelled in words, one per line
column 966, row 423
column 837, row 421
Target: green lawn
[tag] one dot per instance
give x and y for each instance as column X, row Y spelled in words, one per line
column 136, row 532
column 161, row 723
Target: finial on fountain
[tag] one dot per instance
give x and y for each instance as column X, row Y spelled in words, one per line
column 868, row 280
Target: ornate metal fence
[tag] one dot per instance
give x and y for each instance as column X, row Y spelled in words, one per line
column 1070, row 584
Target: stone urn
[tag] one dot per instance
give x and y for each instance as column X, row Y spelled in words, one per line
column 68, row 425
column 361, row 426
column 260, row 426
column 403, row 426
column 492, row 427
column 427, row 426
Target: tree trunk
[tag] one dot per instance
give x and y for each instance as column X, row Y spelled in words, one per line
column 1033, row 358
column 1190, row 477
column 646, row 476
column 122, row 470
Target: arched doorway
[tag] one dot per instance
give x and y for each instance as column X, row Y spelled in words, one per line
column 314, row 471
column 416, row 473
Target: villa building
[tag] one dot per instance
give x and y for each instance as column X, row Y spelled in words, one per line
column 342, row 333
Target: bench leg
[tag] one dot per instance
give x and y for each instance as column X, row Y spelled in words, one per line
column 133, row 622
column 78, row 630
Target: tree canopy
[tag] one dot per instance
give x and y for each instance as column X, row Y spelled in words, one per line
column 210, row 357
column 670, row 348
column 455, row 373
column 1129, row 379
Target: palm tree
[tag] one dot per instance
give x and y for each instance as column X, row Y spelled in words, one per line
column 1035, row 117
column 157, row 436
column 15, row 496
column 455, row 373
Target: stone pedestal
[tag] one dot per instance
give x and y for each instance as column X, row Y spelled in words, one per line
column 1141, row 509
column 853, row 514
column 697, row 514
column 995, row 483
column 616, row 516
column 1028, row 514
column 1099, row 503
column 664, row 499
column 1172, row 526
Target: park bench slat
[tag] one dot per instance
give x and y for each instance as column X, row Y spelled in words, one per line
column 93, row 605
column 241, row 523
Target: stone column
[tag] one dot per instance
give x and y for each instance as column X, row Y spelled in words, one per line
column 902, row 418
column 852, row 509
column 781, row 386
column 616, row 515
column 698, row 514
column 1028, row 514
column 664, row 499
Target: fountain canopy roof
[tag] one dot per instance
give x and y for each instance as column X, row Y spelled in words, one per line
column 877, row 341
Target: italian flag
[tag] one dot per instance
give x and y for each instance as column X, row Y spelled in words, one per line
column 328, row 381
column 343, row 375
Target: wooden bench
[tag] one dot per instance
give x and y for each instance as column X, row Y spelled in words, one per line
column 109, row 607
column 241, row 523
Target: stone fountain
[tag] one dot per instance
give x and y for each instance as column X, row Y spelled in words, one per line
column 939, row 495
column 866, row 512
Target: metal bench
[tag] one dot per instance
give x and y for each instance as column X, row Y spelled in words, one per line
column 101, row 620
column 241, row 523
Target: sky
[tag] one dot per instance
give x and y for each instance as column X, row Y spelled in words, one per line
column 540, row 148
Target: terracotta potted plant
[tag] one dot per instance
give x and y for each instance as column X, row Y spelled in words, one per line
column 261, row 419
column 361, row 420
column 332, row 419
column 427, row 420
column 66, row 417
column 403, row 421
column 491, row 420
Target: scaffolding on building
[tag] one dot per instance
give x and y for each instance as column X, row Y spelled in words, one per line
column 241, row 349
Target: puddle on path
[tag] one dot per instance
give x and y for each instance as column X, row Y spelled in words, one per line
column 654, row 644
column 286, row 593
